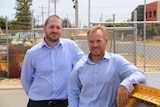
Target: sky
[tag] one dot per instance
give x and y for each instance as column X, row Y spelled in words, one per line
column 100, row 10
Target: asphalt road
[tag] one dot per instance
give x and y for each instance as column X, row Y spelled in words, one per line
column 13, row 98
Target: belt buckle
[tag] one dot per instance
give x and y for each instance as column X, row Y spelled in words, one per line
column 51, row 102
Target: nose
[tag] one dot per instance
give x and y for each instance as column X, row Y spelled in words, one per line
column 54, row 29
column 95, row 44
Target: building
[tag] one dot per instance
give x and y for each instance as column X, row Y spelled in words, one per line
column 152, row 12
column 140, row 13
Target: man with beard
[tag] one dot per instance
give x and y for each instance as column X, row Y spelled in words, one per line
column 102, row 79
column 47, row 66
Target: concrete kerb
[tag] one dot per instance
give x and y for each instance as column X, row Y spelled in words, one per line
column 10, row 83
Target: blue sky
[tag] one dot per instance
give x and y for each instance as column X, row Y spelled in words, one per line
column 99, row 9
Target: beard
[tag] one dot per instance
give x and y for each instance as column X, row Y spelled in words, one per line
column 52, row 39
column 97, row 52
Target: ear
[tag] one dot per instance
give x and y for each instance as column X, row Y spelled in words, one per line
column 106, row 40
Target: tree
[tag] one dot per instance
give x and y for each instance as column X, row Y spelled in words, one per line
column 2, row 23
column 23, row 14
column 12, row 24
column 66, row 23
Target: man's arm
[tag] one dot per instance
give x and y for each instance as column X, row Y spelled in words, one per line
column 26, row 73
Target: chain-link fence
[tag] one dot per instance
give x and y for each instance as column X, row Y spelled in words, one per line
column 141, row 50
column 138, row 45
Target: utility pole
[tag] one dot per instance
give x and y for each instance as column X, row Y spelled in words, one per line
column 101, row 18
column 37, row 20
column 89, row 11
column 55, row 5
column 48, row 8
column 42, row 15
column 76, row 12
column 32, row 21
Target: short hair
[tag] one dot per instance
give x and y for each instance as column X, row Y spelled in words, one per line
column 52, row 16
column 96, row 27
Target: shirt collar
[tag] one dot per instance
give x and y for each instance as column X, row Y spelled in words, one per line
column 106, row 56
column 43, row 43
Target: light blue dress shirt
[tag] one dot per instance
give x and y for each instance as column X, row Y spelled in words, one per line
column 46, row 70
column 96, row 84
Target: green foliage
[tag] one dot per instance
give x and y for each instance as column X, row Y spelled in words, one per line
column 13, row 25
column 2, row 23
column 109, row 25
column 66, row 23
column 23, row 14
column 117, row 25
column 152, row 30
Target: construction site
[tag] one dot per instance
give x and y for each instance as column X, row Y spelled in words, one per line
column 128, row 41
column 13, row 50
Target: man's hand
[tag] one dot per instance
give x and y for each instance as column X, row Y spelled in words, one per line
column 122, row 96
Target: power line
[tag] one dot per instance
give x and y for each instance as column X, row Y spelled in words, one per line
column 42, row 13
column 55, row 5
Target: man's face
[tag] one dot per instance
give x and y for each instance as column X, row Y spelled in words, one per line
column 53, row 29
column 97, row 43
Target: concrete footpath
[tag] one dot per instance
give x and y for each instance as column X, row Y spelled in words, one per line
column 10, row 83
column 12, row 93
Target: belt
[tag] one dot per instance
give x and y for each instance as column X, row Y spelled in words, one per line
column 49, row 102
column 53, row 102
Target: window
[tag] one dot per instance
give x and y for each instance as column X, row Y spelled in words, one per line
column 146, row 14
column 150, row 14
column 154, row 13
